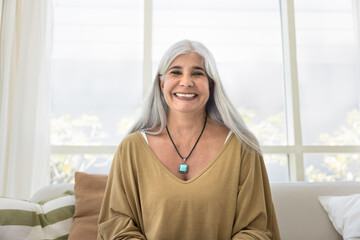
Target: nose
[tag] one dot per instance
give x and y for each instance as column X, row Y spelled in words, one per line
column 186, row 81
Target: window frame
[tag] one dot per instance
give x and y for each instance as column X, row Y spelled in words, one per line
column 295, row 150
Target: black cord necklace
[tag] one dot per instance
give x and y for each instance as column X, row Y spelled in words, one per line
column 183, row 167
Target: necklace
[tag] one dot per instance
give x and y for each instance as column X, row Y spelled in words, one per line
column 183, row 167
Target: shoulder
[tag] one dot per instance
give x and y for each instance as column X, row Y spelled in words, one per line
column 248, row 143
column 130, row 149
column 131, row 141
column 247, row 155
column 250, row 157
column 132, row 138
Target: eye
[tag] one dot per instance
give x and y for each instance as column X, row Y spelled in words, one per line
column 175, row 73
column 198, row 74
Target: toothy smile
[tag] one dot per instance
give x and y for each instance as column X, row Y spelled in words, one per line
column 186, row 95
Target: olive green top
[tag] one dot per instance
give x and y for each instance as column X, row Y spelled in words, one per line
column 229, row 199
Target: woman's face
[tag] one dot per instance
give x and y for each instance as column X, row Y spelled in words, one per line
column 186, row 86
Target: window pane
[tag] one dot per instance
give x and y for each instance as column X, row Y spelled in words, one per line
column 277, row 167
column 245, row 38
column 63, row 166
column 328, row 72
column 332, row 167
column 96, row 70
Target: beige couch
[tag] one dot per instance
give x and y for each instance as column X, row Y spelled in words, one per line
column 299, row 213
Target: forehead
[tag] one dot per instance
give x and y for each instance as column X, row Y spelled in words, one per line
column 188, row 60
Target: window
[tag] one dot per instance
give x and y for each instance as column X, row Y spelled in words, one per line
column 96, row 78
column 328, row 72
column 290, row 67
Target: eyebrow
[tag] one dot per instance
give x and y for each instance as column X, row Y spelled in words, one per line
column 179, row 67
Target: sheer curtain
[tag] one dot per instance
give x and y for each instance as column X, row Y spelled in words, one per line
column 25, row 48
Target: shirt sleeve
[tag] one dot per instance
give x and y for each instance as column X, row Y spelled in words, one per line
column 255, row 217
column 120, row 214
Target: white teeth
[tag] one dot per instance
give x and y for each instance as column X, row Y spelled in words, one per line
column 190, row 95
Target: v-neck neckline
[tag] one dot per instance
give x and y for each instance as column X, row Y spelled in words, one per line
column 199, row 174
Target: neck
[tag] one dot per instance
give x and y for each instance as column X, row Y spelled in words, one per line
column 185, row 125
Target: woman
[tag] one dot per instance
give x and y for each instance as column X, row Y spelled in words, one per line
column 189, row 169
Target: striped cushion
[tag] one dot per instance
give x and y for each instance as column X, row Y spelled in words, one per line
column 50, row 219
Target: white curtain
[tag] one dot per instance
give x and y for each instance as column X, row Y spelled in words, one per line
column 25, row 49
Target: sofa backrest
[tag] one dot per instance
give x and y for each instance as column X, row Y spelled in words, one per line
column 299, row 212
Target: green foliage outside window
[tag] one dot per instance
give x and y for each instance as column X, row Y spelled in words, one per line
column 88, row 130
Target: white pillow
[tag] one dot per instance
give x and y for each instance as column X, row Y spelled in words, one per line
column 51, row 191
column 49, row 219
column 344, row 213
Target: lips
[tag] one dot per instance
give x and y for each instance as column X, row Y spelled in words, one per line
column 185, row 95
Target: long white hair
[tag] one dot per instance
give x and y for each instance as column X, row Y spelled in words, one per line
column 219, row 108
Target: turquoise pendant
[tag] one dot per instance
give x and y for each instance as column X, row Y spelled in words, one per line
column 183, row 168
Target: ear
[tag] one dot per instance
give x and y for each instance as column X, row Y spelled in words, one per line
column 161, row 83
column 211, row 85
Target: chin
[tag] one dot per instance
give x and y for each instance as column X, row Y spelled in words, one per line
column 188, row 110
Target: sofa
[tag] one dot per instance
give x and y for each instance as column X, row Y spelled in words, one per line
column 299, row 212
